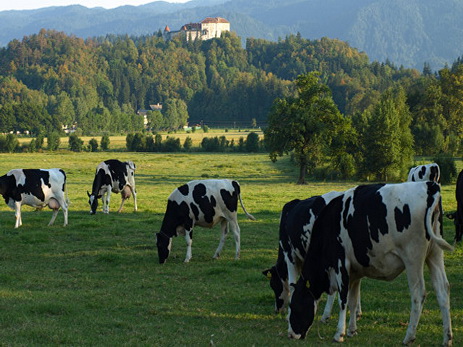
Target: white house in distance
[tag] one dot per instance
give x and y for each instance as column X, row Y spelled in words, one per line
column 209, row 28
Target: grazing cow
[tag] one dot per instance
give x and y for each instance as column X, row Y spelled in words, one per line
column 374, row 231
column 37, row 188
column 113, row 176
column 296, row 223
column 458, row 215
column 427, row 172
column 204, row 203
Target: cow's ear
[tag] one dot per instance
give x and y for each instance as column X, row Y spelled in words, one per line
column 88, row 193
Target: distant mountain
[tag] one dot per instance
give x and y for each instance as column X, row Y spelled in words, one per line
column 406, row 32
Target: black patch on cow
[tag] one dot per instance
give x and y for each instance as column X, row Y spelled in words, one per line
column 230, row 198
column 176, row 215
column 367, row 221
column 33, row 183
column 195, row 210
column 325, row 249
column 203, row 202
column 434, row 174
column 118, row 171
column 403, row 218
column 184, row 189
column 458, row 221
column 8, row 188
column 300, row 215
column 433, row 188
column 422, row 172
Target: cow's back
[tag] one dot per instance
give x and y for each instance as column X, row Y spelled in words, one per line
column 378, row 220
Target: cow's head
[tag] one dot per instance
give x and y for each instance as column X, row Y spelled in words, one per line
column 278, row 286
column 302, row 309
column 163, row 242
column 93, row 202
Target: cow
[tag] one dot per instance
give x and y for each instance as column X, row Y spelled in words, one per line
column 457, row 216
column 296, row 222
column 112, row 176
column 37, row 188
column 427, row 172
column 374, row 231
column 204, row 203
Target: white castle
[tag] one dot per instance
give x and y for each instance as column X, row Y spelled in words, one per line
column 209, row 28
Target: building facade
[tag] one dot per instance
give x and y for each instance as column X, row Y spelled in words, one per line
column 208, row 29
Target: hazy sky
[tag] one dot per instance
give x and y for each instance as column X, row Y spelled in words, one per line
column 34, row 4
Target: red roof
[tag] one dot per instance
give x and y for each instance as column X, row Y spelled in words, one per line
column 166, row 28
column 215, row 20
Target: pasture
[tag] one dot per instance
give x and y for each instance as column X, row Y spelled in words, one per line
column 98, row 281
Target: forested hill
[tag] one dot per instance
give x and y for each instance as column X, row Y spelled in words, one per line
column 407, row 32
column 49, row 79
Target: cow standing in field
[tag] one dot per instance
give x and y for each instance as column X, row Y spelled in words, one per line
column 374, row 231
column 427, row 172
column 37, row 188
column 296, row 223
column 113, row 176
column 204, row 203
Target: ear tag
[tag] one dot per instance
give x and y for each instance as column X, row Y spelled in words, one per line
column 269, row 275
column 307, row 284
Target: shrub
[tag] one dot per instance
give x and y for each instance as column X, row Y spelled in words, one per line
column 188, row 144
column 252, row 142
column 75, row 143
column 93, row 143
column 448, row 168
column 105, row 143
column 172, row 145
column 53, row 141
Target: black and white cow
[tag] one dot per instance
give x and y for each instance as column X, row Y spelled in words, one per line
column 113, row 176
column 457, row 216
column 204, row 203
column 427, row 172
column 37, row 188
column 374, row 231
column 296, row 223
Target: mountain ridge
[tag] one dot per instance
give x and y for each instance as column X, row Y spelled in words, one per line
column 409, row 33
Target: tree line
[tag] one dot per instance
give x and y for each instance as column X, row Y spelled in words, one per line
column 50, row 81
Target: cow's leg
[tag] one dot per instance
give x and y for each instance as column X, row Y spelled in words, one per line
column 224, row 227
column 328, row 307
column 134, row 193
column 53, row 217
column 353, row 301
column 418, row 295
column 106, row 198
column 189, row 241
column 439, row 280
column 17, row 213
column 236, row 234
column 341, row 329
column 122, row 204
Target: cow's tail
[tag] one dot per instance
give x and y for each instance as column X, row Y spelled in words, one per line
column 250, row 216
column 435, row 210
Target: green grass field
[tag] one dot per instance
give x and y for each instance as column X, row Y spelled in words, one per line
column 98, row 281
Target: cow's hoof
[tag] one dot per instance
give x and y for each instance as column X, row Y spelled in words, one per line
column 352, row 333
column 325, row 319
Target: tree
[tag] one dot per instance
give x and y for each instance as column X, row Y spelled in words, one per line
column 75, row 143
column 53, row 141
column 252, row 142
column 388, row 139
column 304, row 124
column 105, row 142
column 93, row 143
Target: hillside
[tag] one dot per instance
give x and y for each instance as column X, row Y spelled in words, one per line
column 407, row 33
